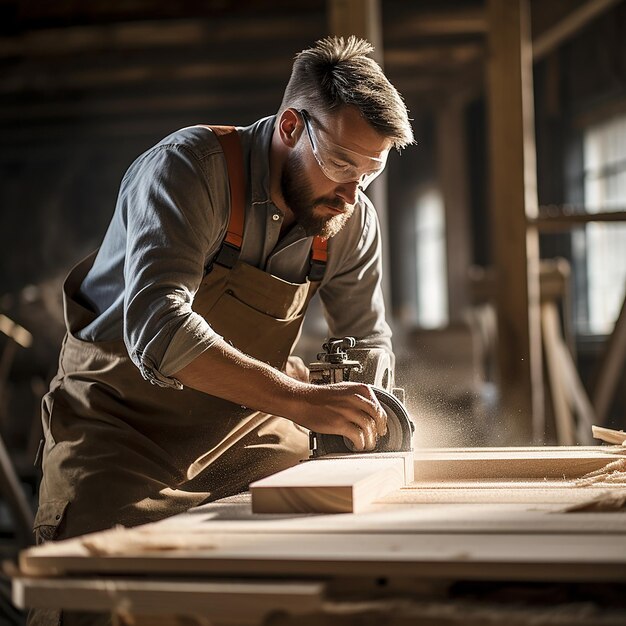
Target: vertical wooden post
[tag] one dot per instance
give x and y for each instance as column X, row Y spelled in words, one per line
column 513, row 200
column 452, row 174
column 363, row 19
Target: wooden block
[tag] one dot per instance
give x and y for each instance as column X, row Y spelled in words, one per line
column 341, row 484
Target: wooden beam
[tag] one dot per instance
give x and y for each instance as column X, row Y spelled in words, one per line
column 440, row 24
column 433, row 56
column 127, row 104
column 560, row 220
column 58, row 78
column 363, row 19
column 563, row 416
column 332, row 484
column 453, row 180
column 513, row 200
column 70, row 40
column 611, row 367
column 357, row 17
column 572, row 23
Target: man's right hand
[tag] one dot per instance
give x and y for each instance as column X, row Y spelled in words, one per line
column 348, row 409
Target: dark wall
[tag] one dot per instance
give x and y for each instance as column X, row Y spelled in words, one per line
column 84, row 91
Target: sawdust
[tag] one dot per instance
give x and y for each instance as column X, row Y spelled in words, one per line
column 613, row 474
column 124, row 542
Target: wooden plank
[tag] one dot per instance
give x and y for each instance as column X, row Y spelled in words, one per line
column 563, row 417
column 512, row 463
column 509, row 556
column 335, row 485
column 232, row 600
column 567, row 221
column 609, row 435
column 513, row 199
column 450, row 506
column 442, row 511
column 427, row 530
column 503, row 494
column 611, row 367
column 579, row 400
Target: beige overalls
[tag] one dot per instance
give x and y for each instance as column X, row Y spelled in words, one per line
column 118, row 449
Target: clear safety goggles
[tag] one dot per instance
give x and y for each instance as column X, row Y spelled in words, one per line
column 340, row 164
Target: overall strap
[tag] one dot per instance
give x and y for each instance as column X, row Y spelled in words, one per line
column 319, row 257
column 230, row 249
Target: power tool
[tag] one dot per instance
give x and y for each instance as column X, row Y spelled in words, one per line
column 341, row 361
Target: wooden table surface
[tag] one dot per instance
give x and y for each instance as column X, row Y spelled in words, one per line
column 471, row 514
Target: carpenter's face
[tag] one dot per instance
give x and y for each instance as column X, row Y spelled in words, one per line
column 333, row 158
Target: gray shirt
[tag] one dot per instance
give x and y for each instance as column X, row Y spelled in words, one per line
column 169, row 222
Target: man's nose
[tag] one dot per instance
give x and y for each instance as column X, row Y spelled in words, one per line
column 348, row 192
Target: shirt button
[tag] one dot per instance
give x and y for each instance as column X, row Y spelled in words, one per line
column 275, row 217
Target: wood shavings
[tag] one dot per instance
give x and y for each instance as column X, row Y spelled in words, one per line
column 123, row 542
column 613, row 473
column 609, row 435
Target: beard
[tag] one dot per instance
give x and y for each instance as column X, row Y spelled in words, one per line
column 309, row 211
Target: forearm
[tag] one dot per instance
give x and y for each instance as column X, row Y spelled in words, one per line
column 348, row 409
column 227, row 373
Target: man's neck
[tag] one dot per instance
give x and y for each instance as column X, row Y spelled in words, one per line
column 276, row 162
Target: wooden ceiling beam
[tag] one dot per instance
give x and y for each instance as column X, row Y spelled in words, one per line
column 61, row 78
column 105, row 107
column 152, row 34
column 439, row 24
column 433, row 56
column 571, row 24
column 53, row 137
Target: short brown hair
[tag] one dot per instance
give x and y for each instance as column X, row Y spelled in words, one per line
column 334, row 73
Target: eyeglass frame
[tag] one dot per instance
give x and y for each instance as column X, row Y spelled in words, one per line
column 367, row 178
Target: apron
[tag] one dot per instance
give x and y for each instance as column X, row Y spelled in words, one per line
column 120, row 450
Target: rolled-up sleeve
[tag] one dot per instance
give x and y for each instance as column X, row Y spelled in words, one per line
column 351, row 292
column 172, row 225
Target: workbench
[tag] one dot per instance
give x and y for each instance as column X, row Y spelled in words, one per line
column 482, row 536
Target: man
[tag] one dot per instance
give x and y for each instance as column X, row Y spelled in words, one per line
column 171, row 389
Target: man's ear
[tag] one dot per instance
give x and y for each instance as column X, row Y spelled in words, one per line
column 290, row 127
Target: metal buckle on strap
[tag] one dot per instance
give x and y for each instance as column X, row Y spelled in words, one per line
column 317, row 270
column 228, row 255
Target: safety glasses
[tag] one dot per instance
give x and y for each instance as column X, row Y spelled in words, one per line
column 340, row 164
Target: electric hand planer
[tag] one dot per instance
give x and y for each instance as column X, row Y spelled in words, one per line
column 341, row 361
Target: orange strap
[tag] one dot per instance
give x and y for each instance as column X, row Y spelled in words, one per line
column 319, row 250
column 231, row 145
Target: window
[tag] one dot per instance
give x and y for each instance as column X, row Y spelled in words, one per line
column 604, row 157
column 432, row 296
